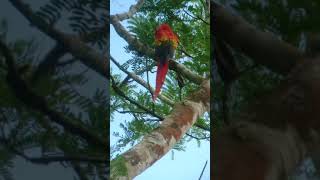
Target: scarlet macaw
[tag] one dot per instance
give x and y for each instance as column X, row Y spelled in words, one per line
column 166, row 42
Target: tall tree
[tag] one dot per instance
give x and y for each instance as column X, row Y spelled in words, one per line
column 181, row 110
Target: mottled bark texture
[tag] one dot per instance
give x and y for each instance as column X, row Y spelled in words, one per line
column 162, row 139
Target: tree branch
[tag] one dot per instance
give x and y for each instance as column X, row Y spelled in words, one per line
column 263, row 47
column 77, row 168
column 143, row 49
column 51, row 159
column 132, row 10
column 126, row 79
column 141, row 82
column 74, row 45
column 197, row 138
column 203, row 170
column 196, row 17
column 122, row 94
column 47, row 65
column 32, row 100
column 156, row 144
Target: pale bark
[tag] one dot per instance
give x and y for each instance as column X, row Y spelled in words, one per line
column 145, row 49
column 162, row 139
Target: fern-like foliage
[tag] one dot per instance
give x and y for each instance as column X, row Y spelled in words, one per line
column 88, row 18
column 23, row 128
column 193, row 52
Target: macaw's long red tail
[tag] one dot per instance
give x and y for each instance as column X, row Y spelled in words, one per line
column 161, row 76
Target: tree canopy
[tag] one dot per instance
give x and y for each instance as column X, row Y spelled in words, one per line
column 132, row 81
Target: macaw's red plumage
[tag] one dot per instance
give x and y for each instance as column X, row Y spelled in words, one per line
column 166, row 42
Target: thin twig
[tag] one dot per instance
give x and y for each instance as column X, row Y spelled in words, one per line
column 141, row 81
column 203, row 169
column 149, row 87
column 122, row 94
column 185, row 52
column 126, row 79
column 197, row 138
column 196, row 17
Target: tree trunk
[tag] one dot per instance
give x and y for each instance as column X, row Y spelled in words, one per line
column 156, row 144
column 270, row 137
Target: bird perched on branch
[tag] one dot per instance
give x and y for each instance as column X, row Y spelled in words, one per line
column 166, row 42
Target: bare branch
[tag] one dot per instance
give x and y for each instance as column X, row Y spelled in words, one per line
column 126, row 79
column 120, row 93
column 141, row 82
column 197, row 138
column 136, row 112
column 196, row 17
column 132, row 10
column 185, row 52
column 203, row 170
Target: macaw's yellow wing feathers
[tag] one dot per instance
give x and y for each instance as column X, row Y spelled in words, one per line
column 166, row 42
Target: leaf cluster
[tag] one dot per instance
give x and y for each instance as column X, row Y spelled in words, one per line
column 190, row 21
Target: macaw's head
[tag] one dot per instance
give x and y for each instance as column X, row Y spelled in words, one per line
column 164, row 33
